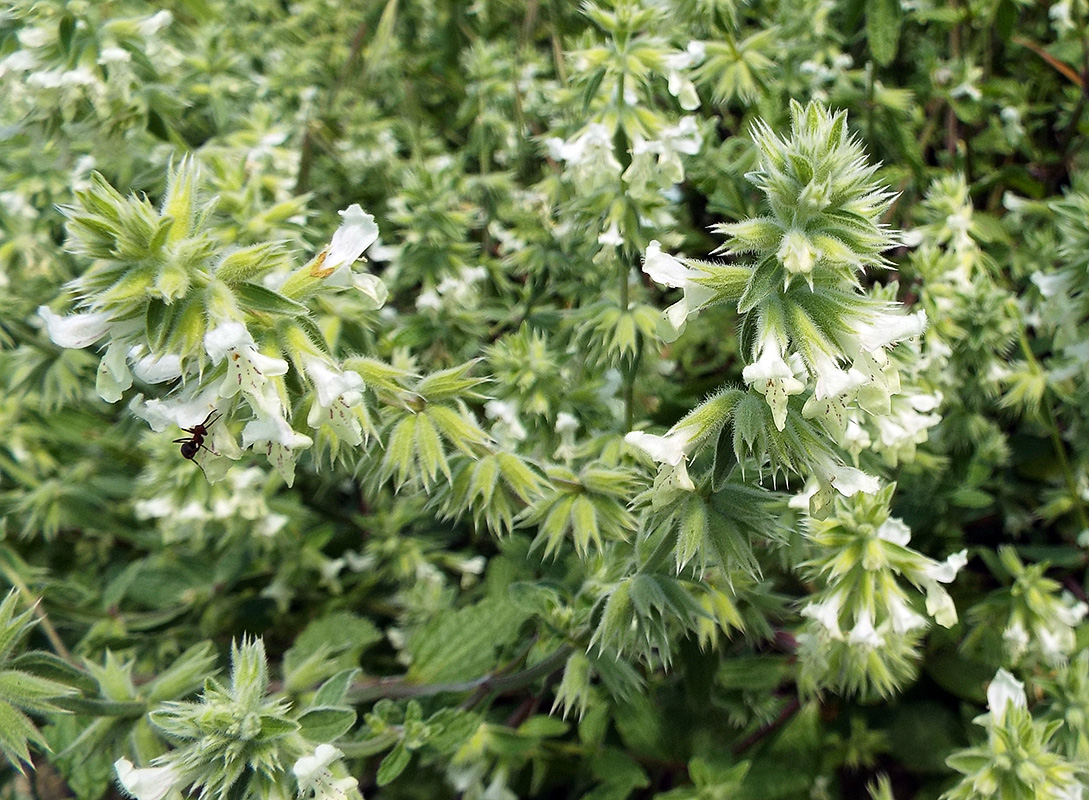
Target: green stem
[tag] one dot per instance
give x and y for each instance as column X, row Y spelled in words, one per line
column 398, row 688
column 16, row 580
column 1056, row 437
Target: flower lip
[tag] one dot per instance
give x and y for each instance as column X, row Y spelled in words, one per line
column 75, row 330
column 1003, row 691
column 668, row 449
column 664, row 268
column 149, row 783
column 356, row 233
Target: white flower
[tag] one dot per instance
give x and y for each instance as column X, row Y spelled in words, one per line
column 796, row 254
column 902, row 617
column 589, row 153
column 801, row 500
column 157, row 369
column 664, row 268
column 151, row 25
column 333, row 384
column 268, row 429
column 75, row 330
column 337, row 392
column 826, row 613
column 19, row 61
column 280, row 442
column 1003, row 691
column 114, row 55
column 248, row 371
column 151, row 783
column 669, row 449
column 863, row 632
column 832, row 381
column 849, row 481
column 1071, row 611
column 679, row 85
column 939, row 604
column 894, row 530
column 315, row 777
column 772, row 377
column 356, row 233
column 610, row 237
column 1016, row 638
column 946, row 571
column 566, row 423
column 428, row 300
column 1055, row 643
column 113, row 373
column 181, row 411
column 223, row 338
column 886, row 329
column 507, row 416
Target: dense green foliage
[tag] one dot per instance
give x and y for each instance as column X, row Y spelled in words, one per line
column 638, row 399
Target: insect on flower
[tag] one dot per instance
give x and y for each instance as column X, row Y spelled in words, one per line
column 195, row 441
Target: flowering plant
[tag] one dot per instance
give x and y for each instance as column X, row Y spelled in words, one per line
column 496, row 400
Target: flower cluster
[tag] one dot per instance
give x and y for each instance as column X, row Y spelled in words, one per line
column 808, row 329
column 863, row 626
column 178, row 311
column 1035, row 618
column 1018, row 759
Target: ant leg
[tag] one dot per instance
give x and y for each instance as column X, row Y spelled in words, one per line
column 203, row 446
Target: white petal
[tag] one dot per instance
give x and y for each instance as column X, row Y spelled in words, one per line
column 903, row 618
column 664, row 268
column 894, row 530
column 826, row 613
column 273, row 428
column 668, row 449
column 566, row 423
column 863, row 632
column 330, row 382
column 75, row 330
column 267, row 365
column 356, row 233
column 890, row 328
column 113, row 373
column 158, row 369
column 939, row 604
column 151, row 783
column 1002, row 691
column 850, row 481
column 224, row 337
column 946, row 571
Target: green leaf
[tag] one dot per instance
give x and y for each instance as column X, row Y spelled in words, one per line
column 16, row 732
column 883, row 19
column 543, row 727
column 764, row 280
column 393, row 764
column 725, row 458
column 429, row 450
column 334, row 690
column 158, row 322
column 257, row 298
column 65, row 29
column 693, row 532
column 47, row 665
column 326, row 724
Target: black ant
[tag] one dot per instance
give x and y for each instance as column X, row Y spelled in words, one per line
column 195, row 442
